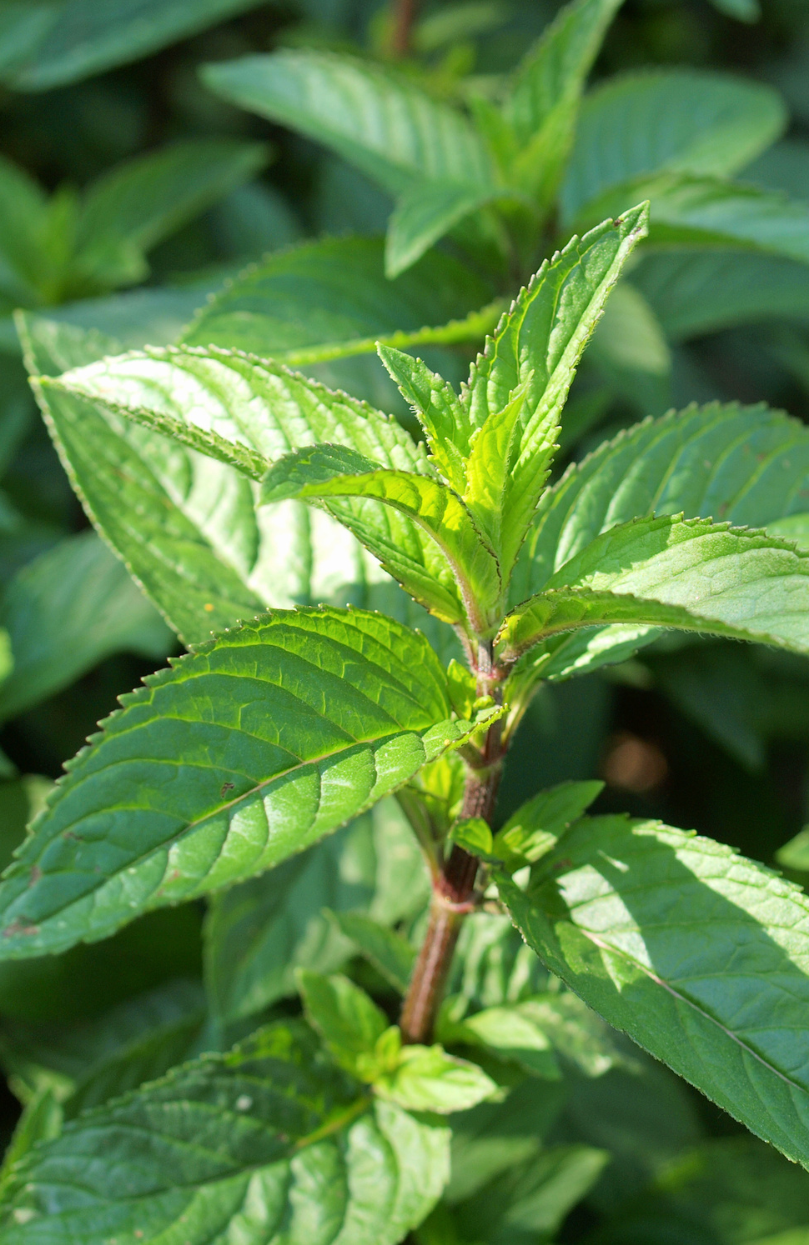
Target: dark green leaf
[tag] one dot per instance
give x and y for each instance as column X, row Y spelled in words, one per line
column 268, row 745
column 643, row 921
column 390, row 954
column 268, row 1138
column 330, row 298
column 69, row 40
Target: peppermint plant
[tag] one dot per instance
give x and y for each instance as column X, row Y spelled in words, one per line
column 335, row 1114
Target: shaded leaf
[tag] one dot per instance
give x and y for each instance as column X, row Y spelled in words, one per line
column 682, row 120
column 346, row 1018
column 270, row 1134
column 642, row 920
column 67, row 610
column 390, row 954
column 330, row 298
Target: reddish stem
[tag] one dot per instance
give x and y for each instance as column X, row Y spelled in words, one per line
column 404, row 16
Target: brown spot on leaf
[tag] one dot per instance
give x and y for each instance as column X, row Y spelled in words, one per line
column 226, row 786
column 21, row 926
column 36, row 874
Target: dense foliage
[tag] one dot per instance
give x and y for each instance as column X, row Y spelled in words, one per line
column 408, row 384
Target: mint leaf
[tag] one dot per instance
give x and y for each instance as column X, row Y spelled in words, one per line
column 538, row 823
column 261, row 1138
column 268, row 748
column 605, row 913
column 426, row 1078
column 673, row 573
column 65, row 611
column 518, row 386
column 324, row 471
column 330, row 299
column 347, row 1019
column 677, row 120
column 390, row 954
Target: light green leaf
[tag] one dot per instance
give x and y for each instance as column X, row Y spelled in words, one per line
column 576, row 1033
column 536, row 349
column 509, row 1033
column 630, row 346
column 642, row 920
column 67, row 40
column 188, row 527
column 474, row 835
column 699, row 291
column 443, row 416
column 268, row 746
column 426, row 1078
column 538, row 823
column 683, row 121
column 375, row 118
column 326, row 471
column 748, row 465
column 424, row 214
column 349, row 1022
column 692, row 574
column 143, row 200
column 742, row 10
column 543, row 100
column 330, row 298
column 67, row 610
column 269, row 1138
column 795, row 853
column 391, row 955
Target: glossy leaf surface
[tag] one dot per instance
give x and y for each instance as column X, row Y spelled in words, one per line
column 242, row 754
column 643, row 921
column 535, row 351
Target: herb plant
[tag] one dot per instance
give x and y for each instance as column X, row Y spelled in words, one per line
column 416, row 1006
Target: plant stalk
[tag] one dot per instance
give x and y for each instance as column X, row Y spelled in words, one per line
column 403, row 17
column 453, row 891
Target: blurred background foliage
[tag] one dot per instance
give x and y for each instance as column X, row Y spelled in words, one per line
column 129, row 191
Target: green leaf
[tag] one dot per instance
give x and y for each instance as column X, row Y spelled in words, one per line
column 543, row 101
column 742, row 10
column 187, row 527
column 391, row 955
column 67, row 610
column 683, row 121
column 424, row 214
column 642, row 920
column 426, row 1078
column 700, row 210
column 509, row 1033
column 349, row 1022
column 257, row 934
column 576, row 1033
column 690, row 574
column 735, row 1188
column 538, row 823
column 269, row 1138
column 23, row 221
column 326, row 471
column 530, row 1201
column 746, row 465
column 795, row 853
column 67, row 40
column 268, row 747
column 142, row 201
column 330, row 298
column 95, row 1060
column 374, row 118
column 474, row 835
column 40, row 1121
column 535, row 350
column 443, row 416
column 699, row 291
